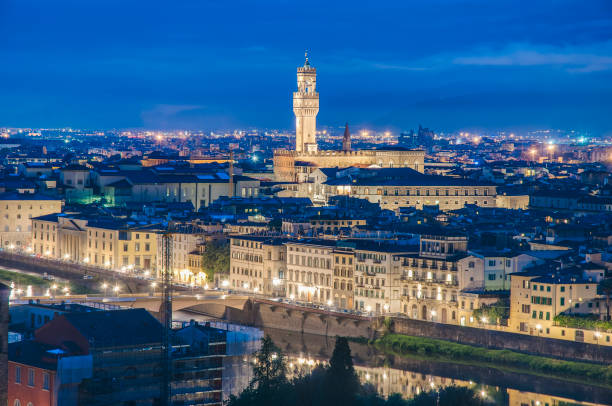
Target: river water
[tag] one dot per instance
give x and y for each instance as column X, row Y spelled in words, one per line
column 406, row 376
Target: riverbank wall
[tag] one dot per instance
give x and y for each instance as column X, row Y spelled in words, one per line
column 282, row 316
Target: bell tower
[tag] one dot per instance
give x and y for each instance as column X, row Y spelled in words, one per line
column 305, row 108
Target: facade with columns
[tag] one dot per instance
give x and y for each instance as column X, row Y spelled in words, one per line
column 295, row 165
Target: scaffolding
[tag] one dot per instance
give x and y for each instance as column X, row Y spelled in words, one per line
column 166, row 319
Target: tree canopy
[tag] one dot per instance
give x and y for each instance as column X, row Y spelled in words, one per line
column 216, row 259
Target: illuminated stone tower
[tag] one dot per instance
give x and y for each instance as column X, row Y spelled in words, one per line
column 305, row 108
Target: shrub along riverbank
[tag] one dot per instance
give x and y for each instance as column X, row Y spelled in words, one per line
column 454, row 352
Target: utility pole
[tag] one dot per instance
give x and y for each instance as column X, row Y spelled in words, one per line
column 166, row 318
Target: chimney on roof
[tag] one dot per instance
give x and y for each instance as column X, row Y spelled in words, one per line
column 346, row 139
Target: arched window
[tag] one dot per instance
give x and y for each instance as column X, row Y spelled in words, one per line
column 16, row 402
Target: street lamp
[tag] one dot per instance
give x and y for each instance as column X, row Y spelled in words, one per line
column 105, row 287
column 116, row 289
column 539, row 328
column 433, row 314
column 153, row 285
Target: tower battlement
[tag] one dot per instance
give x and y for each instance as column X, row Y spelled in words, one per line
column 306, row 69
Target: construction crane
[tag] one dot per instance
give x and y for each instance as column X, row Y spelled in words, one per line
column 166, row 319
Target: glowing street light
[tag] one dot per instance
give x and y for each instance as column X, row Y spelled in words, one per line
column 116, row 289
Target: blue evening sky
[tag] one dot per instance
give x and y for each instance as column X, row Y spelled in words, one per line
column 447, row 64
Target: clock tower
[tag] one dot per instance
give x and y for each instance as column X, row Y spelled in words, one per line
column 305, row 108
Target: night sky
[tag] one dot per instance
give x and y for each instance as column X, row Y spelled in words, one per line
column 199, row 64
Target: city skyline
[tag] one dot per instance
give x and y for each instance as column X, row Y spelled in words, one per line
column 386, row 67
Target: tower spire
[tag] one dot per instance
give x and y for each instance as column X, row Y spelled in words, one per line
column 346, row 139
column 306, row 63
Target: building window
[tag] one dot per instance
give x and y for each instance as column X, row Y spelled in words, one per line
column 17, row 374
column 30, row 377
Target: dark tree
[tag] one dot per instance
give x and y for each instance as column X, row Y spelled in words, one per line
column 341, row 384
column 269, row 385
column 270, row 369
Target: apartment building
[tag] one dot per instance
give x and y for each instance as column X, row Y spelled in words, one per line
column 16, row 213
column 258, row 265
column 185, row 240
column 344, row 271
column 310, row 270
column 377, row 271
column 498, row 266
column 99, row 242
column 44, row 235
column 537, row 297
column 433, row 279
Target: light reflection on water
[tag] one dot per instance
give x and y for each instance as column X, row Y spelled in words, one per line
column 406, row 376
